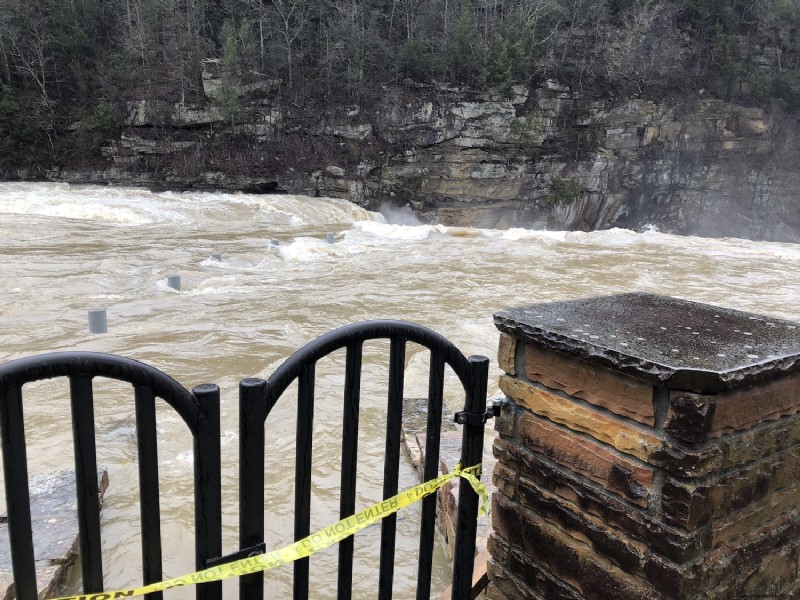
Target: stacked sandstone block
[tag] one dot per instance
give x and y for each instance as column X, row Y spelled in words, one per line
column 649, row 448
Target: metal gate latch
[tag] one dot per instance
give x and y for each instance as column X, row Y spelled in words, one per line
column 465, row 418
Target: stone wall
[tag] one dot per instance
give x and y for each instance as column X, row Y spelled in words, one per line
column 648, row 449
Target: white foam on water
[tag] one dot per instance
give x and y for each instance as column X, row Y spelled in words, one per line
column 65, row 206
column 119, row 206
column 248, row 263
column 613, row 236
column 137, row 206
column 607, row 237
column 305, row 249
column 279, row 217
column 297, row 211
column 517, row 234
column 747, row 248
column 399, row 232
column 365, row 237
column 208, row 288
column 785, row 251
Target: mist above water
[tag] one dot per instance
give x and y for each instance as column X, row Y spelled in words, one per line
column 399, row 215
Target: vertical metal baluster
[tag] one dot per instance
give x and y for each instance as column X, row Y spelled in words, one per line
column 302, row 498
column 391, row 466
column 149, row 505
column 252, row 413
column 471, row 454
column 18, row 506
column 207, row 486
column 83, row 439
column 347, row 502
column 432, row 437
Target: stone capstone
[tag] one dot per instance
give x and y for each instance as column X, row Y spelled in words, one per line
column 662, row 340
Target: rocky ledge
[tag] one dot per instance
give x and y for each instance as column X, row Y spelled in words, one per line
column 544, row 155
column 55, row 533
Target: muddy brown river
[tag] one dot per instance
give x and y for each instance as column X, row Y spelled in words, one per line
column 65, row 250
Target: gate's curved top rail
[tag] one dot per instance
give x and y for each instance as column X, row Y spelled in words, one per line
column 368, row 330
column 98, row 364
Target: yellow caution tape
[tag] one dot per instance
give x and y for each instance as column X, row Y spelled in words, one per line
column 324, row 538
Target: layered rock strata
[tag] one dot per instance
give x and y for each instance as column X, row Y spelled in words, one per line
column 648, row 449
column 543, row 156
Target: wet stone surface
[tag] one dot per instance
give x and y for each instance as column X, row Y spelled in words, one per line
column 55, row 532
column 666, row 341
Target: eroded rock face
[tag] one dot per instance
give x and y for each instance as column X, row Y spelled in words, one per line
column 542, row 157
column 688, row 168
column 145, row 113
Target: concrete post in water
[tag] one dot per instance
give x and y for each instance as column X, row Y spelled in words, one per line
column 331, row 237
column 216, row 256
column 174, row 281
column 275, row 242
column 98, row 322
column 649, row 449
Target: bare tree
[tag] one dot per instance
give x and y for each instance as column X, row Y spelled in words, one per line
column 4, row 39
column 774, row 20
column 259, row 15
column 137, row 38
column 30, row 42
column 290, row 18
column 645, row 47
column 411, row 11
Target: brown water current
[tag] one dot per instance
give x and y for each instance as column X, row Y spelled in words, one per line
column 66, row 250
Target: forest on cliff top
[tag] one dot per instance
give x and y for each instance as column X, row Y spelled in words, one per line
column 67, row 65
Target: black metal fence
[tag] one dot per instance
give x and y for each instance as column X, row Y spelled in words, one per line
column 200, row 410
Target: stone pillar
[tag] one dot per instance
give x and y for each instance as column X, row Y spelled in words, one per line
column 649, row 448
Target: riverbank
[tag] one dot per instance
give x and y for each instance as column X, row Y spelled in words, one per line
column 547, row 157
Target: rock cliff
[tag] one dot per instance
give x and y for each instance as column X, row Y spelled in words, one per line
column 547, row 156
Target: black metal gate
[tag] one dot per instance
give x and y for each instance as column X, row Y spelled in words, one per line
column 200, row 410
